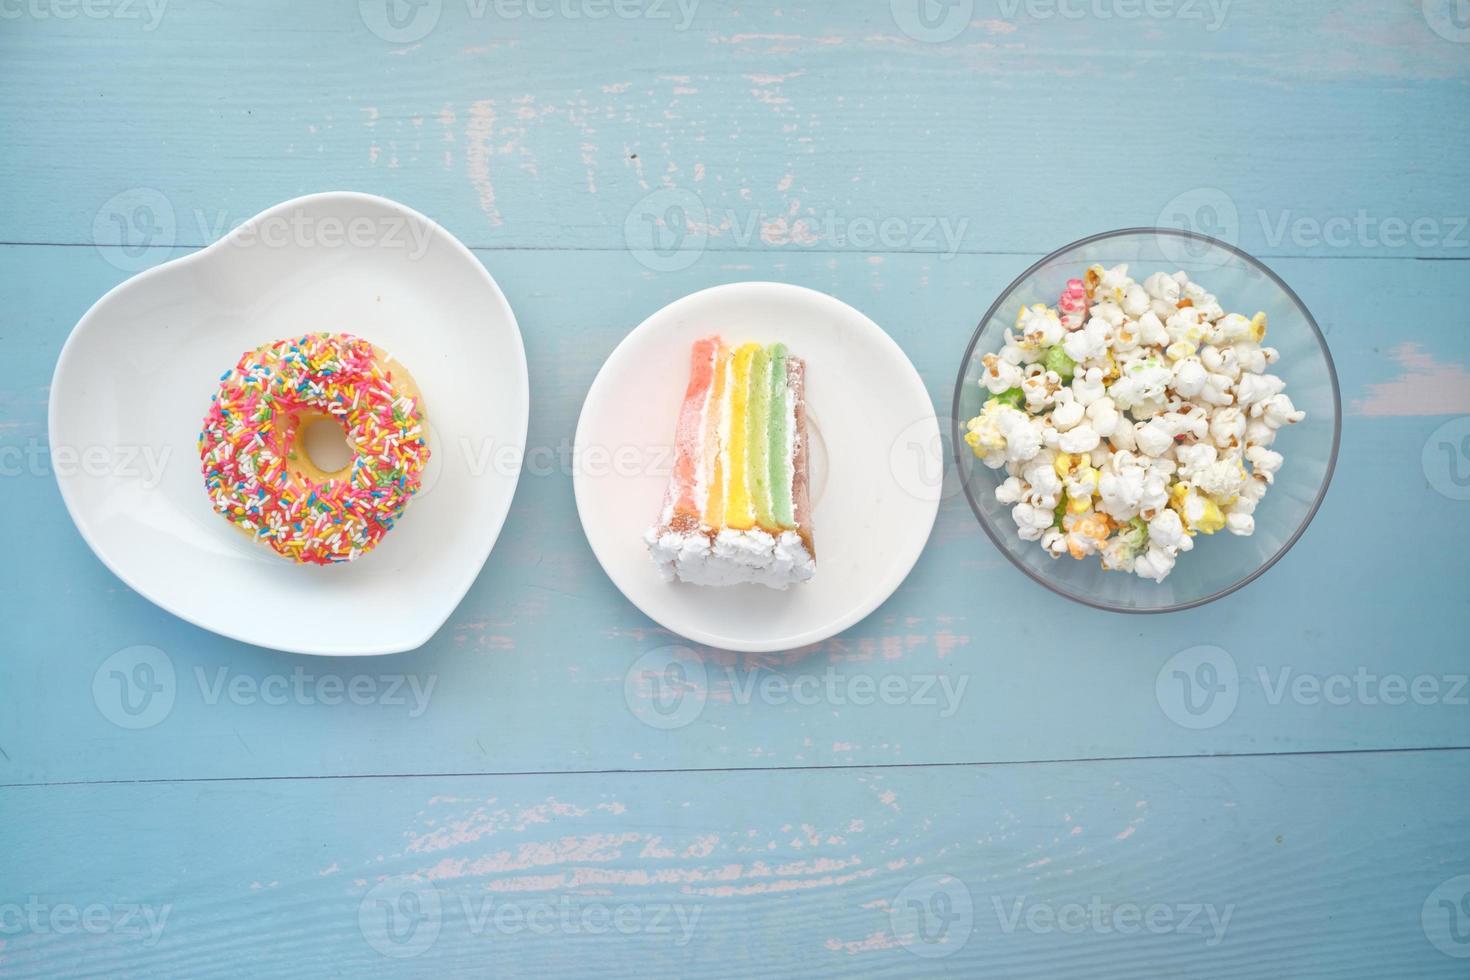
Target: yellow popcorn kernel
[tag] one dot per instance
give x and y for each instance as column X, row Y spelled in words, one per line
column 1258, row 327
column 1210, row 519
column 1079, row 505
column 1063, row 465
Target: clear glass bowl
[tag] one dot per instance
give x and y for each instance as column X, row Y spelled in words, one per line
column 1220, row 563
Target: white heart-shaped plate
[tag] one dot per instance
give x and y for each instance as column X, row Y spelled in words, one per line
column 134, row 380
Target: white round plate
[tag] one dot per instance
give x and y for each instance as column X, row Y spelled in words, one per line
column 134, row 381
column 875, row 467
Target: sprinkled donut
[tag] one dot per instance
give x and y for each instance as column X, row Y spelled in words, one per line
column 259, row 476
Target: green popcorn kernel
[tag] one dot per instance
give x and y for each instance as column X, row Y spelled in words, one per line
column 1058, row 361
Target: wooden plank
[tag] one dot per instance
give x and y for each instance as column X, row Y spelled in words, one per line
column 1294, row 128
column 1226, row 868
column 530, row 673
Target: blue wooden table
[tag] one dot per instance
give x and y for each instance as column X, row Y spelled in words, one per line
column 979, row 780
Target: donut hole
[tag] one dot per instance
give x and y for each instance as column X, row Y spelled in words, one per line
column 324, row 441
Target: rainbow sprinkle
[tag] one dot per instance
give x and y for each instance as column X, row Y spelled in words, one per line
column 248, row 447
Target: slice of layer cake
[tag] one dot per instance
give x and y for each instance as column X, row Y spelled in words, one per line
column 736, row 509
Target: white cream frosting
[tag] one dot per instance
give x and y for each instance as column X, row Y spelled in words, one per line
column 734, row 557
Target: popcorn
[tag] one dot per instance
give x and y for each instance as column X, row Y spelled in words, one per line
column 1000, row 375
column 1132, row 418
column 1040, row 327
column 1073, row 304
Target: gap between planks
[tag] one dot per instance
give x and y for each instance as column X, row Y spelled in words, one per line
column 855, row 767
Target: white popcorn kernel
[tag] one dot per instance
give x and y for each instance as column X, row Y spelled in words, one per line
column 1254, row 388
column 1000, row 375
column 1163, row 286
column 1252, row 359
column 1043, row 483
column 1227, row 426
column 1155, row 563
column 1217, row 390
column 1151, row 332
column 1258, row 433
column 1155, row 437
column 1104, row 417
column 1032, row 519
column 1040, row 327
column 1089, row 342
column 1194, row 458
column 1264, row 463
column 1166, row 530
column 1010, row 491
column 1189, row 376
column 1068, row 411
column 1220, row 480
column 1277, row 411
column 1184, row 324
column 1040, row 390
column 1230, row 329
column 1135, row 301
column 1241, row 524
column 1123, row 438
column 1081, row 439
column 1108, row 312
column 1088, row 387
column 1054, row 540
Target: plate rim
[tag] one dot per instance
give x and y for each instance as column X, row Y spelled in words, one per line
column 67, row 353
column 901, row 568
